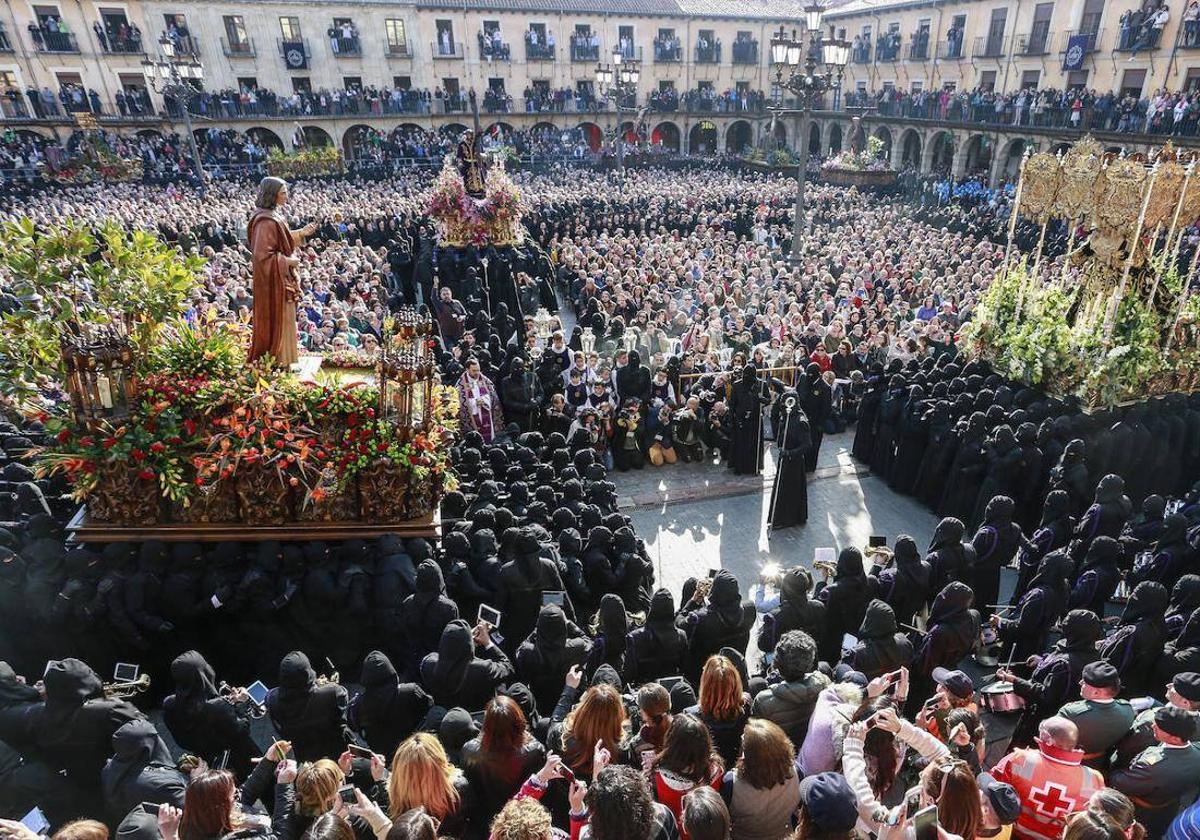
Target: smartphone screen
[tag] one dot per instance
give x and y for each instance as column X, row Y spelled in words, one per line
column 555, row 598
column 876, row 541
column 36, row 821
column 669, row 682
column 222, row 760
column 359, row 752
column 567, row 773
column 125, row 672
column 257, row 692
column 925, row 824
column 347, row 794
column 489, row 615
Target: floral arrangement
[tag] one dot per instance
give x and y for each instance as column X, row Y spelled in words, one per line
column 1103, row 350
column 306, row 163
column 350, row 357
column 461, row 219
column 868, row 160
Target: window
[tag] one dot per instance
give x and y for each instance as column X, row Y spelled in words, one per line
column 950, row 86
column 704, row 87
column 1030, row 78
column 11, row 107
column 995, row 36
column 1192, row 80
column 450, row 86
column 1089, row 22
column 666, row 34
column 625, row 40
column 301, row 84
column 706, row 47
column 394, row 29
column 235, row 31
column 352, row 82
column 583, row 29
column 445, row 37
column 860, row 87
column 247, row 82
column 496, row 84
column 1132, row 82
column 585, row 89
column 289, row 29
column 987, row 80
column 540, row 29
column 1077, row 79
column 866, row 33
column 666, row 86
column 841, row 33
column 402, row 82
column 491, row 26
column 889, row 85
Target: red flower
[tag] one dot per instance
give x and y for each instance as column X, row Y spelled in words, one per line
column 146, row 475
column 157, row 447
column 189, row 426
column 199, row 481
column 278, row 444
column 109, row 443
column 63, row 436
column 321, row 454
column 87, row 441
column 137, row 454
column 370, row 412
column 352, row 420
column 175, row 440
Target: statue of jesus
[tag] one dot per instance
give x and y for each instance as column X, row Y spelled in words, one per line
column 469, row 166
column 276, row 288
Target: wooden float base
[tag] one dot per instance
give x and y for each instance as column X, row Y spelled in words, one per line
column 83, row 530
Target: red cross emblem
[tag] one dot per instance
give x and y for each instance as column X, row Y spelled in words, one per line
column 1052, row 800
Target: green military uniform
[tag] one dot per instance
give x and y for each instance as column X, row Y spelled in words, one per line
column 1157, row 780
column 1101, row 726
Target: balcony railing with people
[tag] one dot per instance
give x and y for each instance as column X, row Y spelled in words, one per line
column 708, row 52
column 668, row 50
column 239, row 49
column 1142, row 29
column 493, row 48
column 1036, row 42
column 585, row 47
column 185, row 45
column 445, row 48
column 918, row 50
column 50, row 38
column 343, row 43
column 1072, row 111
column 951, row 49
column 745, row 51
column 860, row 52
column 122, row 40
column 887, row 47
column 537, row 47
column 989, row 46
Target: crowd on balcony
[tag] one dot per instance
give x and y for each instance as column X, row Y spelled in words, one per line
column 745, row 49
column 585, row 46
column 1142, row 28
column 954, row 40
column 180, row 36
column 343, row 39
column 491, row 46
column 708, row 51
column 51, row 34
column 668, row 48
column 121, row 37
column 887, row 46
column 539, row 46
column 732, row 100
column 262, row 102
column 497, row 101
column 1164, row 112
column 545, row 100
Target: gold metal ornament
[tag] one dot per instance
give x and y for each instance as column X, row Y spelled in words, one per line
column 1043, row 178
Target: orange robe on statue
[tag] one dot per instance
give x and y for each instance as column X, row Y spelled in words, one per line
column 275, row 289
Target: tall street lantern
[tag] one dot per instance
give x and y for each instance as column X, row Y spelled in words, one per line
column 180, row 77
column 618, row 82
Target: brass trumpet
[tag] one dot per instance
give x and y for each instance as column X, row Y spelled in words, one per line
column 248, row 706
column 127, row 689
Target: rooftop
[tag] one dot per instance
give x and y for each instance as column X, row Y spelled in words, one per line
column 773, row 10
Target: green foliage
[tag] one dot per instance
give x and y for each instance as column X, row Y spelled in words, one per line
column 213, row 349
column 67, row 272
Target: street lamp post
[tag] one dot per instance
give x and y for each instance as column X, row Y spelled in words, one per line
column 618, row 84
column 795, row 62
column 171, row 74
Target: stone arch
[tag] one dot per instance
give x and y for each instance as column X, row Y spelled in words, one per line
column 781, row 134
column 835, row 138
column 201, row 135
column 405, row 129
column 703, row 138
column 356, row 139
column 910, row 148
column 264, row 137
column 738, row 136
column 543, row 126
column 450, row 129
column 501, row 130
column 666, row 134
column 592, row 135
column 34, row 135
column 938, row 153
column 885, row 134
column 149, row 133
column 316, row 137
column 814, row 139
column 1007, row 164
column 1060, row 147
column 977, row 155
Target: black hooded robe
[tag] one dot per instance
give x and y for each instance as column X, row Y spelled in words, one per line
column 789, row 490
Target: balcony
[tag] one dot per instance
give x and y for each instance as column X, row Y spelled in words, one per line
column 861, row 54
column 745, row 52
column 585, row 48
column 538, row 51
column 53, row 42
column 887, row 48
column 1033, row 44
column 446, row 49
column 1131, row 38
column 5, row 43
column 949, row 50
column 399, row 49
column 112, row 44
column 707, row 54
column 343, row 47
column 186, row 45
column 667, row 51
column 918, row 50
column 1089, row 40
column 239, row 49
column 989, row 47
column 631, row 53
column 491, row 49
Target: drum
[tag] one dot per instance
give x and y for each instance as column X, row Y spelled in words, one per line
column 999, row 698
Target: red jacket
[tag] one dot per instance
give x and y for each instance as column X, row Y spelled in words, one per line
column 1051, row 783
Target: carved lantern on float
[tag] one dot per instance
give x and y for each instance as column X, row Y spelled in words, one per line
column 100, row 367
column 587, row 340
column 406, row 374
column 541, row 324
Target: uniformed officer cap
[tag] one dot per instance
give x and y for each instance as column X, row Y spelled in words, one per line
column 1175, row 721
column 1187, row 685
column 1101, row 675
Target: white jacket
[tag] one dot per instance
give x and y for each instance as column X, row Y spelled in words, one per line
column 873, row 814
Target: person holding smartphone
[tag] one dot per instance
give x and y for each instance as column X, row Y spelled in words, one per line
column 203, row 721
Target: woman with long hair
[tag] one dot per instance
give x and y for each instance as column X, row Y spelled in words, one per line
column 423, row 775
column 502, row 756
column 687, row 761
column 213, row 804
column 312, row 796
column 724, row 706
column 598, row 716
column 1092, row 825
column 763, row 789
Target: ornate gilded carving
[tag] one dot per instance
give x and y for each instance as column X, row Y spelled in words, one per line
column 330, row 504
column 1042, row 179
column 1079, row 175
column 1120, row 196
column 382, row 491
column 263, row 499
column 122, row 498
column 216, row 502
column 1164, row 197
